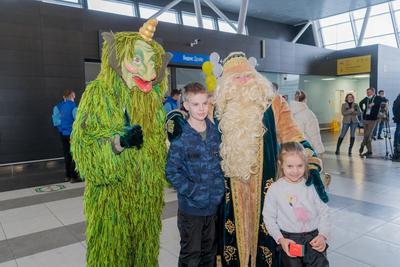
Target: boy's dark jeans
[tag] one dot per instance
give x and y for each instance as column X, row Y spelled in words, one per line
column 70, row 171
column 312, row 258
column 198, row 244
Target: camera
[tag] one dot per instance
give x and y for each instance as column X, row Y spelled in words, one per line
column 195, row 42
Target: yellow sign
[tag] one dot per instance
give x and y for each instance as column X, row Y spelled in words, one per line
column 353, row 65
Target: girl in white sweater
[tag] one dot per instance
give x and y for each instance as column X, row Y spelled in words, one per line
column 294, row 214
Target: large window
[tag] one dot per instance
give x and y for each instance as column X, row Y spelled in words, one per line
column 377, row 25
column 225, row 27
column 389, row 40
column 73, row 3
column 337, row 31
column 146, row 11
column 340, row 46
column 137, row 8
column 334, row 20
column 189, row 19
column 110, row 6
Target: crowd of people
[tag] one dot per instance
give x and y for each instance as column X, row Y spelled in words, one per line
column 246, row 166
column 372, row 112
column 200, row 199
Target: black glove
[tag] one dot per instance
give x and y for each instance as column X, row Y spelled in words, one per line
column 133, row 137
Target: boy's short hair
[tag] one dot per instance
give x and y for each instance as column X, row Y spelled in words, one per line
column 175, row 92
column 193, row 88
column 381, row 91
column 67, row 93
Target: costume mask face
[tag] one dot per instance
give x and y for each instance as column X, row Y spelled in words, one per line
column 140, row 70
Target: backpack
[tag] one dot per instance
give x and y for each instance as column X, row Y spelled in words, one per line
column 56, row 115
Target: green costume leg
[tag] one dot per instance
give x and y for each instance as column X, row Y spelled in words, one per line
column 108, row 234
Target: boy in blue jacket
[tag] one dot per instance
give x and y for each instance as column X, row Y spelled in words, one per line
column 193, row 168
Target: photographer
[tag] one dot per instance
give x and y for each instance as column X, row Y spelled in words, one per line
column 382, row 116
column 396, row 119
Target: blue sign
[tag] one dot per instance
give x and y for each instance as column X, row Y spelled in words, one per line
column 188, row 58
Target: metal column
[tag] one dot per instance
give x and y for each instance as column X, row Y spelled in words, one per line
column 394, row 22
column 316, row 33
column 364, row 26
column 220, row 14
column 301, row 32
column 167, row 7
column 353, row 27
column 242, row 17
column 197, row 9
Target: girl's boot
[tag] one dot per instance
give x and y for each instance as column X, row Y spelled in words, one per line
column 339, row 142
column 352, row 139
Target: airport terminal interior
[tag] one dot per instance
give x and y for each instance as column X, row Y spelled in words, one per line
column 53, row 57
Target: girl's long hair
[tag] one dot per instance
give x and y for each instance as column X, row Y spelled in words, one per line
column 291, row 148
column 345, row 99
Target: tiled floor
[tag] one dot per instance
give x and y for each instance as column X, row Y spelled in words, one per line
column 47, row 229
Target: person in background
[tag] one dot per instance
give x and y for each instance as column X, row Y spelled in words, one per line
column 382, row 116
column 308, row 124
column 370, row 106
column 350, row 111
column 200, row 190
column 171, row 102
column 396, row 119
column 67, row 115
column 275, row 87
column 56, row 116
column 307, row 121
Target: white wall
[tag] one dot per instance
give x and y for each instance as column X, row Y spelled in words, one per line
column 322, row 96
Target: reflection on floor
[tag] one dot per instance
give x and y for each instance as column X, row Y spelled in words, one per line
column 39, row 228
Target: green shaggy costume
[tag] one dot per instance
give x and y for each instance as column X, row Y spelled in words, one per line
column 123, row 198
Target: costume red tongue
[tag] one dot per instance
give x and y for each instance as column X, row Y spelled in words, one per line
column 145, row 86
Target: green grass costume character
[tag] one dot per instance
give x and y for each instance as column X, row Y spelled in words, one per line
column 118, row 144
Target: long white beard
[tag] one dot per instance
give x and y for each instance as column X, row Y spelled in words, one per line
column 240, row 111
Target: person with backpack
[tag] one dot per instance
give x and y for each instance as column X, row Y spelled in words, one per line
column 171, row 103
column 56, row 115
column 63, row 117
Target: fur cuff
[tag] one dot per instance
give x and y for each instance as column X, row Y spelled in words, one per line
column 116, row 145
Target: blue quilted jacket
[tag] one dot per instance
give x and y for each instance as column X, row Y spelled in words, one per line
column 194, row 170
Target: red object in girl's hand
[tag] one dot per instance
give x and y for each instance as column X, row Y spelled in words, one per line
column 296, row 250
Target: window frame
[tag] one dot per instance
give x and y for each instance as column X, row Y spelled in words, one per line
column 355, row 25
column 131, row 4
column 149, row 6
column 210, row 18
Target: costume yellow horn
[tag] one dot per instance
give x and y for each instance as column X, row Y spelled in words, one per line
column 148, row 29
